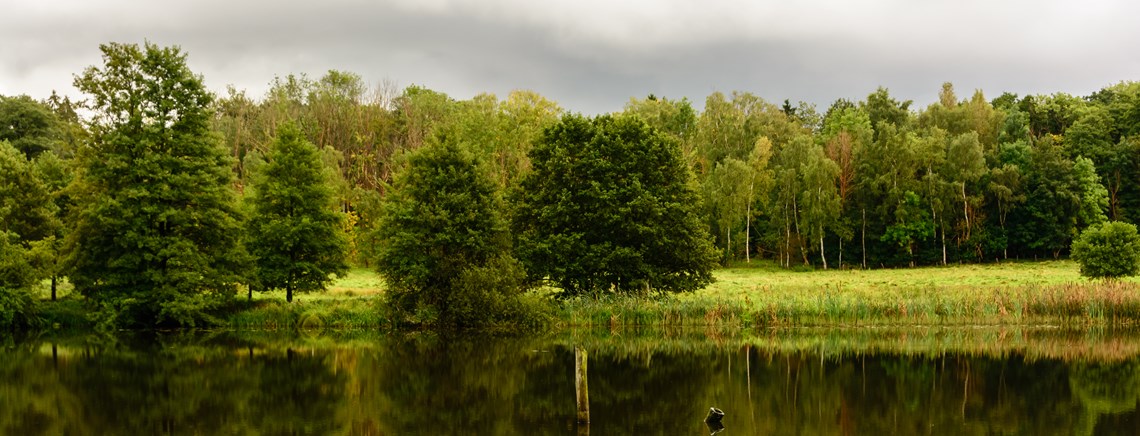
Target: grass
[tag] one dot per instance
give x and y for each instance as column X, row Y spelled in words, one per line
column 308, row 314
column 741, row 279
column 762, row 294
column 759, row 294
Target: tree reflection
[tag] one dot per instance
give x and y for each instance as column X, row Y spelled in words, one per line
column 639, row 384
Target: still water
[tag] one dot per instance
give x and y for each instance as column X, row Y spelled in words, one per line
column 796, row 382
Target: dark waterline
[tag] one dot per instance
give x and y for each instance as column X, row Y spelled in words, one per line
column 639, row 384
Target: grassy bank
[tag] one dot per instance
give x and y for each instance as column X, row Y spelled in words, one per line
column 749, row 296
column 764, row 295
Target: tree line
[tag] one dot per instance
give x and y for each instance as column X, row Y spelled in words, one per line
column 870, row 183
column 160, row 194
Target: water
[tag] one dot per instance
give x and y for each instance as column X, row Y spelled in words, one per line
column 898, row 382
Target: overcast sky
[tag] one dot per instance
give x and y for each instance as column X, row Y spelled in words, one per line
column 592, row 55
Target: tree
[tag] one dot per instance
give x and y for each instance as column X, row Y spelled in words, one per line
column 26, row 218
column 610, row 207
column 964, row 165
column 728, row 189
column 1062, row 197
column 846, row 133
column 444, row 243
column 672, row 117
column 820, row 197
column 1108, row 251
column 297, row 236
column 26, row 209
column 17, row 274
column 29, row 125
column 156, row 237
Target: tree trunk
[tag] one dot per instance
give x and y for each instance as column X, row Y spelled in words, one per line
column 841, row 252
column 53, row 287
column 821, row 255
column 944, row 247
column 864, row 238
column 787, row 257
column 966, row 209
column 289, row 292
column 799, row 234
column 748, row 228
column 934, row 217
column 727, row 245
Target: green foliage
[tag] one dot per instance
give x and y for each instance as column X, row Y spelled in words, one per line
column 29, row 125
column 1108, row 251
column 609, row 207
column 157, row 228
column 17, row 307
column 444, row 244
column 297, row 238
column 26, row 208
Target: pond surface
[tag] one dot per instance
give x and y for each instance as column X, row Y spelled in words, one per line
column 898, row 382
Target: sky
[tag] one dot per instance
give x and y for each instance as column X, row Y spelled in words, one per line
column 592, row 56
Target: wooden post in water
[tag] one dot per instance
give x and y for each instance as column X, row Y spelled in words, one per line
column 581, row 390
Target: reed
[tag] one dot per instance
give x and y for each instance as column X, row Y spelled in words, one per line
column 339, row 313
column 1087, row 303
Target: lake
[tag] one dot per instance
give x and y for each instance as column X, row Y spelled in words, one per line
column 961, row 380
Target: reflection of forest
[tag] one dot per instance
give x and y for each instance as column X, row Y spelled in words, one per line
column 639, row 384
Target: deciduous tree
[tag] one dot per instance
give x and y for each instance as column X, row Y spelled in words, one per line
column 156, row 239
column 610, row 208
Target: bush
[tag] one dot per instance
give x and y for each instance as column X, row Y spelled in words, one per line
column 18, row 309
column 1108, row 251
column 492, row 295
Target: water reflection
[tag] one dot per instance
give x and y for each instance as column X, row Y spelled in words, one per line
column 792, row 382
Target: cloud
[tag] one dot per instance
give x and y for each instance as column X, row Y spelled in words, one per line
column 592, row 55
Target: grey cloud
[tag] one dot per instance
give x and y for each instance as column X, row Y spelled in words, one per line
column 591, row 56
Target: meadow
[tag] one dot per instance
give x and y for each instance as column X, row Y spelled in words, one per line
column 762, row 294
column 757, row 294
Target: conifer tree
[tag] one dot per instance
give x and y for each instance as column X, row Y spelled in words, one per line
column 296, row 235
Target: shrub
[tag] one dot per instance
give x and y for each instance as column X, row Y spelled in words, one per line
column 1108, row 251
column 17, row 309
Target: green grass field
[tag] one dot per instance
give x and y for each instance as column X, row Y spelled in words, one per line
column 742, row 279
column 763, row 294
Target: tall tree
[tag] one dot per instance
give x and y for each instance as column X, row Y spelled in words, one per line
column 609, row 207
column 846, row 132
column 676, row 118
column 820, row 196
column 29, row 222
column 882, row 108
column 964, row 166
column 297, row 235
column 156, row 239
column 728, row 194
column 56, row 175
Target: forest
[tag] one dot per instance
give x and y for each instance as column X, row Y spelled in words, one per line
column 874, row 183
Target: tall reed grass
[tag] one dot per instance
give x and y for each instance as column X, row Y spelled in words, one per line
column 1101, row 303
